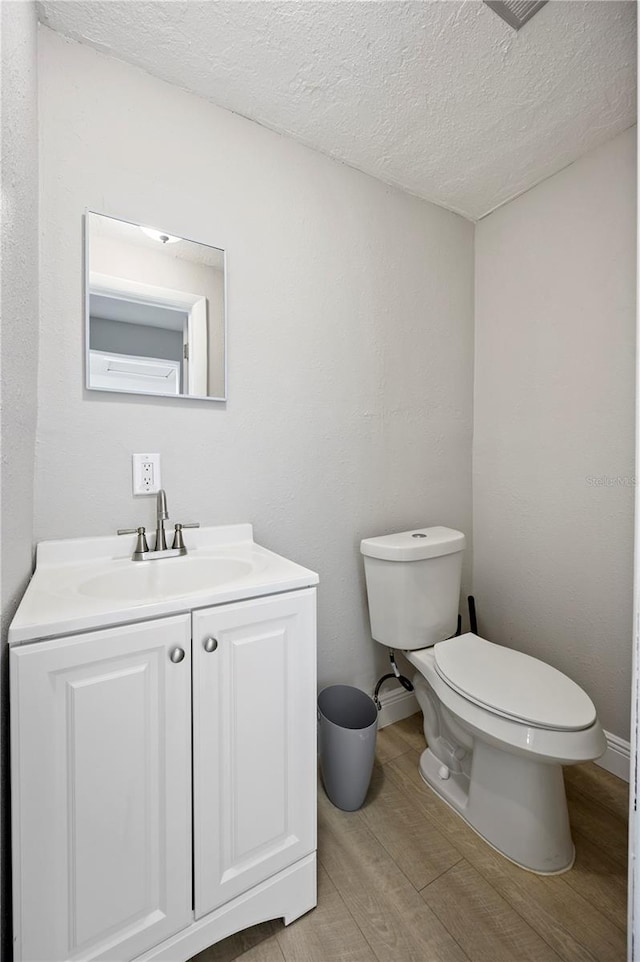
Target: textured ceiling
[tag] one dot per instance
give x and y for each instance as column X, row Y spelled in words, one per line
column 441, row 98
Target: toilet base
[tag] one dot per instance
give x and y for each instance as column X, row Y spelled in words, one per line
column 517, row 805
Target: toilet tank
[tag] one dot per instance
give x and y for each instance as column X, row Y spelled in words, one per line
column 413, row 586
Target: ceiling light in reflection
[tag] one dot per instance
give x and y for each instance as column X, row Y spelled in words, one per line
column 159, row 235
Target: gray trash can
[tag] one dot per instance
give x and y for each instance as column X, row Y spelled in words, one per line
column 348, row 721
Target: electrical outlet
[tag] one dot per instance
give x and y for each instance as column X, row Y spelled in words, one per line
column 146, row 473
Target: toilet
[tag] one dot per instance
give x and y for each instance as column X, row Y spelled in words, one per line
column 499, row 724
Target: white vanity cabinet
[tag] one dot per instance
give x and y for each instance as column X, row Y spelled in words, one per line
column 163, row 771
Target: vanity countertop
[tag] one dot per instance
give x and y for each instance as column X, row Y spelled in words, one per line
column 86, row 583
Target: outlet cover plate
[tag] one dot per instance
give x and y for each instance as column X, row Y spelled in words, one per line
column 146, row 473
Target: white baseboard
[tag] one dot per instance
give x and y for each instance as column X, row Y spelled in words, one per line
column 397, row 703
column 617, row 758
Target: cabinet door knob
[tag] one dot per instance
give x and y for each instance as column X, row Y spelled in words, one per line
column 210, row 644
column 177, row 655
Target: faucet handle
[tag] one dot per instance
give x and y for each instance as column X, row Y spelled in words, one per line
column 141, row 543
column 177, row 537
column 178, row 543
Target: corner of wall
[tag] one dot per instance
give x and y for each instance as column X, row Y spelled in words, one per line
column 19, row 274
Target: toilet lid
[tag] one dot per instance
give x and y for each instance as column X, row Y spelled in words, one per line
column 512, row 684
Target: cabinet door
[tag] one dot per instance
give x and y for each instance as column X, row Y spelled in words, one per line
column 101, row 792
column 254, row 742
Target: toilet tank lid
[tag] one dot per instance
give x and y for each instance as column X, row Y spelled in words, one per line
column 414, row 545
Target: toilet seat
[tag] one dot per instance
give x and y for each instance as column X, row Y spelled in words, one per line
column 513, row 685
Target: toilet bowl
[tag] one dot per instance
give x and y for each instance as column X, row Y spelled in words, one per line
column 499, row 724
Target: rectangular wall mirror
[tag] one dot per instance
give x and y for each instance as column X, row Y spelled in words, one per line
column 155, row 312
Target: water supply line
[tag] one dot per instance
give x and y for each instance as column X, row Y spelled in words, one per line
column 395, row 674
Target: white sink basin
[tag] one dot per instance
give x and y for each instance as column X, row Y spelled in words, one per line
column 174, row 577
column 85, row 583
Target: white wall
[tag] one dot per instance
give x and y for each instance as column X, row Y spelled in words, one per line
column 18, row 334
column 350, row 338
column 554, row 410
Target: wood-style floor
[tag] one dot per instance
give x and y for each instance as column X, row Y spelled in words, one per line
column 405, row 880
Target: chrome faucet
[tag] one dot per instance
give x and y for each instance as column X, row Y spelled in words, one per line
column 161, row 516
column 160, row 550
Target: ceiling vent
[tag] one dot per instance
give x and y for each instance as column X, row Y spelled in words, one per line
column 515, row 12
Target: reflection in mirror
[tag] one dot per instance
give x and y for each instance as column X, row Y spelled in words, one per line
column 155, row 314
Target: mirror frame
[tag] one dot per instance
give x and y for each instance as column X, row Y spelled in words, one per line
column 87, row 317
